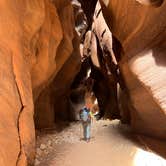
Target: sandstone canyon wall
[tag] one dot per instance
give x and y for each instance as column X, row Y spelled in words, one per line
column 136, row 45
column 139, row 28
column 37, row 43
column 39, row 50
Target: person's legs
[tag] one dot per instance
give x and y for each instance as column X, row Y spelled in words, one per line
column 88, row 131
column 84, row 130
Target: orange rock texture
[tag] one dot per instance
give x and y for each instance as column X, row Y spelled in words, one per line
column 37, row 39
column 139, row 28
column 53, row 102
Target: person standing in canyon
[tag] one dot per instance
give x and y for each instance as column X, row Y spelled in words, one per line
column 86, row 118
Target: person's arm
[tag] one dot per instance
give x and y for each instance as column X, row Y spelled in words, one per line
column 91, row 114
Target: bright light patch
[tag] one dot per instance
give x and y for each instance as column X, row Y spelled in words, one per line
column 144, row 158
column 88, row 73
column 96, row 102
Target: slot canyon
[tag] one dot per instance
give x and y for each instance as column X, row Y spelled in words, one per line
column 58, row 56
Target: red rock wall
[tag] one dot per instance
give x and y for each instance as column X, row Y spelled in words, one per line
column 141, row 33
column 53, row 102
column 17, row 127
column 36, row 40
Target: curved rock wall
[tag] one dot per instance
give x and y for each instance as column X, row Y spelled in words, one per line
column 37, row 41
column 55, row 98
column 140, row 30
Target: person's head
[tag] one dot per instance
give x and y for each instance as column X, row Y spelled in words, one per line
column 88, row 105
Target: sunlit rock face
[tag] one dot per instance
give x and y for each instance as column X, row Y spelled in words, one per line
column 139, row 29
column 38, row 42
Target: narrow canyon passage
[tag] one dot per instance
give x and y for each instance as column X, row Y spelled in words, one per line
column 58, row 56
column 112, row 144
